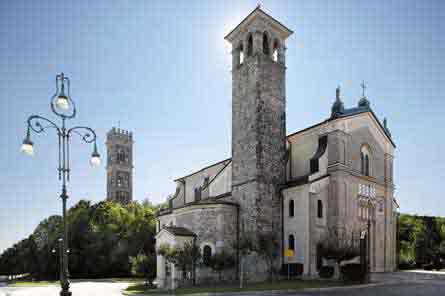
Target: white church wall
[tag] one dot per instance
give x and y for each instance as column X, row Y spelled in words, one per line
column 222, row 182
column 303, row 147
column 297, row 225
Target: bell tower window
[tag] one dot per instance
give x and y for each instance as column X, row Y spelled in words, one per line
column 266, row 50
column 250, row 45
column 275, row 51
column 241, row 54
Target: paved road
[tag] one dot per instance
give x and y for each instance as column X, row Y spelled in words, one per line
column 413, row 288
column 418, row 288
column 79, row 289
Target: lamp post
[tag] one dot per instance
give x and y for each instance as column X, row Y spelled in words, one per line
column 64, row 108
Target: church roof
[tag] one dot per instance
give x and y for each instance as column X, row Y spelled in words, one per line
column 256, row 12
column 347, row 113
column 204, row 202
column 204, row 168
column 344, row 113
column 179, row 231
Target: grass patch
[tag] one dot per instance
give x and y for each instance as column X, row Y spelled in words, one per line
column 29, row 283
column 266, row 286
column 33, row 283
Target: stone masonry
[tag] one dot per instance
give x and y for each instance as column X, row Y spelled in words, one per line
column 258, row 131
column 119, row 165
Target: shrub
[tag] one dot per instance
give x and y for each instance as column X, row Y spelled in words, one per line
column 352, row 273
column 293, row 269
column 326, row 272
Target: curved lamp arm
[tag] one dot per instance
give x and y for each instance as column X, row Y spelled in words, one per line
column 35, row 123
column 87, row 134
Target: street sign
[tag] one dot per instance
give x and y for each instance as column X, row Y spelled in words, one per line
column 289, row 253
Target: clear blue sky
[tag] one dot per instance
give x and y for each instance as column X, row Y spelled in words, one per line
column 162, row 69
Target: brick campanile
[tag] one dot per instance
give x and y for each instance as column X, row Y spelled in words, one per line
column 258, row 125
column 119, row 165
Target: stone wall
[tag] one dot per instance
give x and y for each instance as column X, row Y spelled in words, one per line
column 258, row 144
column 119, row 141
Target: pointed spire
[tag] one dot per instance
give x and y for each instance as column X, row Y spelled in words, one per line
column 385, row 126
column 338, row 106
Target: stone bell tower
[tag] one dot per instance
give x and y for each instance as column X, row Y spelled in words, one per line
column 258, row 124
column 119, row 166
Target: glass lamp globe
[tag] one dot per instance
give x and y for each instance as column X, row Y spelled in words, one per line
column 62, row 102
column 95, row 157
column 27, row 147
column 95, row 161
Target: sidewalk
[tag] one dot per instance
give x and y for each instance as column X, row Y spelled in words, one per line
column 407, row 275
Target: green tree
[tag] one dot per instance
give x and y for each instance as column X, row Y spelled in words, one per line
column 244, row 247
column 102, row 237
column 144, row 266
column 269, row 250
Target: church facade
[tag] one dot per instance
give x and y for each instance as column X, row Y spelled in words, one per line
column 297, row 188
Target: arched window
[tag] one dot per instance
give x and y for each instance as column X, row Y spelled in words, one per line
column 367, row 165
column 291, row 242
column 206, row 254
column 250, row 45
column 365, row 158
column 121, row 155
column 265, row 44
column 275, row 51
column 319, row 209
column 291, row 208
column 197, row 193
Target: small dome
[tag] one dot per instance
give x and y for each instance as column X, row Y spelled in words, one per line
column 338, row 107
column 364, row 103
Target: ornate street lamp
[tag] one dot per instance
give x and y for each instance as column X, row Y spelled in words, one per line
column 63, row 106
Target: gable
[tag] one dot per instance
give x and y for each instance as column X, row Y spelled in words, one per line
column 365, row 126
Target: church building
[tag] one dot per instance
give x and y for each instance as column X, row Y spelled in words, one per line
column 298, row 187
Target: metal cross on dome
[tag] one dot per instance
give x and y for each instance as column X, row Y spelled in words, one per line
column 363, row 85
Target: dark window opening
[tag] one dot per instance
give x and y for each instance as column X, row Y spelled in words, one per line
column 122, row 156
column 367, row 165
column 206, row 254
column 291, row 208
column 197, row 193
column 319, row 209
column 265, row 44
column 291, row 243
column 249, row 46
column 362, row 160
